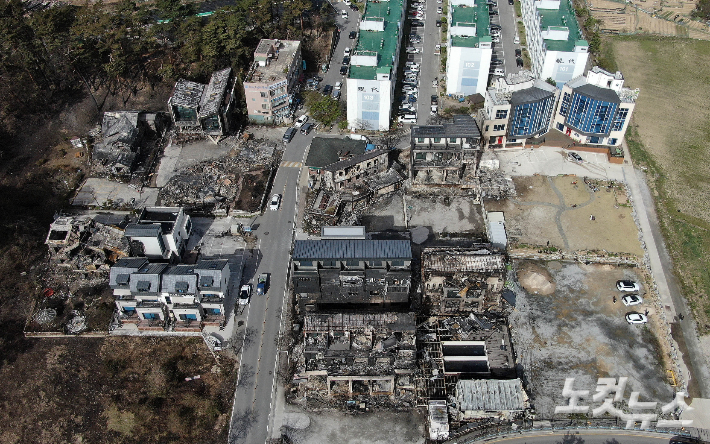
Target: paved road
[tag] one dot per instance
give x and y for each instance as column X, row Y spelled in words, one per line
column 344, row 26
column 253, row 399
column 581, row 437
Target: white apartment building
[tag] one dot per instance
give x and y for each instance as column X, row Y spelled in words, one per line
column 469, row 47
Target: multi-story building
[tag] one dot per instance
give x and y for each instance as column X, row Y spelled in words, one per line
column 554, row 40
column 195, row 107
column 469, row 47
column 442, row 154
column 596, row 109
column 271, row 82
column 342, row 174
column 517, row 108
column 179, row 297
column 161, row 233
column 373, row 65
column 351, row 273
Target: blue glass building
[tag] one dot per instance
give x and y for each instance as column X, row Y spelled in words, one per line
column 531, row 111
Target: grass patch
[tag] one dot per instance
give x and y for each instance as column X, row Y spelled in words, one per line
column 518, row 9
column 521, row 34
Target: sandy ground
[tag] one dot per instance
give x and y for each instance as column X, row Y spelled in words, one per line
column 579, row 332
column 540, row 214
column 440, row 214
column 367, row 428
column 99, row 192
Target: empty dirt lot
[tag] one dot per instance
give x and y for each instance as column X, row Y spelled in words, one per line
column 558, row 210
column 571, row 328
column 671, row 139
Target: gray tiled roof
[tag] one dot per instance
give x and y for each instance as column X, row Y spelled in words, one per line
column 187, row 94
column 354, row 160
column 149, row 273
column 597, row 93
column 327, row 150
column 124, row 267
column 179, row 279
column 529, row 95
column 143, row 230
column 214, row 93
column 352, row 249
column 210, row 272
column 461, row 126
column 490, row 394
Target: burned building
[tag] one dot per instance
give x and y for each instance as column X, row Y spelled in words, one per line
column 359, row 355
column 351, row 273
column 198, row 108
column 82, row 244
column 445, row 154
column 462, row 347
column 485, row 398
column 346, row 173
column 119, row 145
column 461, row 280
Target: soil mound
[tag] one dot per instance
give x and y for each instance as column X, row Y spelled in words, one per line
column 535, row 279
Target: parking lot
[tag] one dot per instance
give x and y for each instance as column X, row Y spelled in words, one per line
column 567, row 324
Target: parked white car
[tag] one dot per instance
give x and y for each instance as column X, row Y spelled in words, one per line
column 275, row 201
column 627, row 285
column 338, row 85
column 300, row 121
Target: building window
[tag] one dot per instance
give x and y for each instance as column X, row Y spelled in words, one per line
column 420, row 140
column 375, row 264
column 486, row 129
column 352, row 263
column 619, row 119
column 150, row 316
column 305, row 263
column 420, row 156
column 437, row 139
column 264, row 105
column 564, row 106
column 612, row 141
column 397, row 263
column 452, row 139
column 329, row 264
column 501, row 114
column 263, row 94
column 499, row 127
column 560, row 127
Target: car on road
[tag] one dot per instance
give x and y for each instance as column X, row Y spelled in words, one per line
column 627, row 285
column 518, row 52
column 516, row 40
column 439, row 10
column 336, row 94
column 344, row 14
column 344, row 70
column 346, row 60
column 434, row 83
column 347, row 52
column 493, row 12
column 352, row 35
column 275, row 202
column 305, row 129
column 636, row 318
column 631, row 299
column 434, row 99
column 434, row 110
column 338, row 85
column 499, row 72
column 574, row 157
column 262, row 285
column 301, row 120
column 408, row 118
column 519, row 61
column 417, row 23
column 414, row 66
column 438, row 23
column 288, row 135
column 412, row 50
column 437, row 49
column 511, row 2
column 244, row 294
column 327, row 90
column 496, row 62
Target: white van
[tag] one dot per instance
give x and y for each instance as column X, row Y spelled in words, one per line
column 498, row 72
column 516, row 40
column 344, row 14
column 408, row 118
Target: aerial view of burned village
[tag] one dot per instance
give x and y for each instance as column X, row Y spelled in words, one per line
column 372, row 221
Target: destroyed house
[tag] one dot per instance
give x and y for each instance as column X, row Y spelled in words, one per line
column 345, row 173
column 460, row 280
column 81, row 244
column 325, row 151
column 360, row 354
column 195, row 107
column 161, row 233
column 440, row 154
column 119, row 145
column 351, row 273
column 461, row 348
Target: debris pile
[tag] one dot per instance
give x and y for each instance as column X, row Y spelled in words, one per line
column 76, row 324
column 230, row 182
column 45, row 316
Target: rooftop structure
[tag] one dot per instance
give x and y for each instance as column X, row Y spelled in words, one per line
column 469, row 48
column 373, row 65
column 120, row 141
column 160, row 233
column 555, row 42
column 270, row 83
column 485, row 398
column 325, row 151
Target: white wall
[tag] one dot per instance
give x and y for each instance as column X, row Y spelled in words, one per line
column 467, row 62
column 367, row 98
column 563, row 66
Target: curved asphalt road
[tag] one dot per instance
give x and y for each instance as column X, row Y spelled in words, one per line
column 579, row 437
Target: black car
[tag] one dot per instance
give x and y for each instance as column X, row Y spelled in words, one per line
column 344, row 70
column 438, row 23
column 353, row 34
column 519, row 62
column 306, row 128
column 492, row 12
column 518, row 52
column 416, row 23
column 327, row 89
column 495, row 27
column 346, row 60
column 511, row 2
column 353, row 6
column 496, row 62
column 434, row 99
